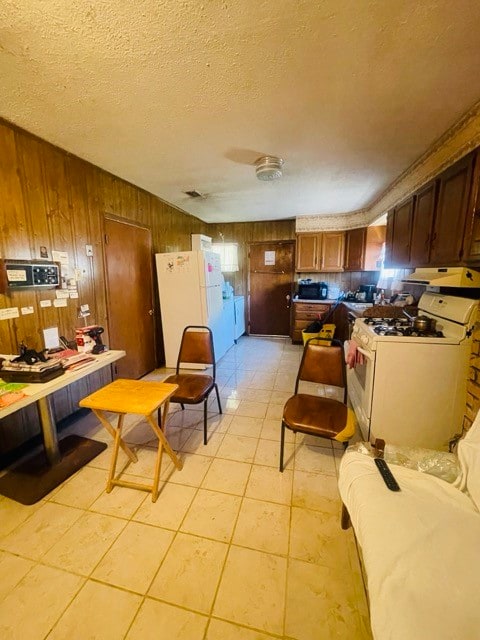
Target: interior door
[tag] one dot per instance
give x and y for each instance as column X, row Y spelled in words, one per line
column 129, row 285
column 271, row 269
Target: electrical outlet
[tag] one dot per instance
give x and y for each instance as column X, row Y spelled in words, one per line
column 89, row 250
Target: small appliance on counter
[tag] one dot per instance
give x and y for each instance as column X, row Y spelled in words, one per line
column 308, row 290
column 366, row 293
column 88, row 339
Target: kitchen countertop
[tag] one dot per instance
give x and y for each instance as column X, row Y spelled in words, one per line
column 326, row 301
column 351, row 305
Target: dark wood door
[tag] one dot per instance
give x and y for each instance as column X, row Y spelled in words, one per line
column 271, row 269
column 422, row 224
column 451, row 213
column 402, row 228
column 355, row 249
column 129, row 283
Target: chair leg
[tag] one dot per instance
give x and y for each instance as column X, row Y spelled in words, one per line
column 205, row 420
column 282, row 445
column 183, row 406
column 218, row 399
column 345, row 445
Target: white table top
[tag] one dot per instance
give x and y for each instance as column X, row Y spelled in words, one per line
column 37, row 390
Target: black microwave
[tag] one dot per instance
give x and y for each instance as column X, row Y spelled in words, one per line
column 313, row 291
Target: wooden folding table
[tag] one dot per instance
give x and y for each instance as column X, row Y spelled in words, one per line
column 140, row 397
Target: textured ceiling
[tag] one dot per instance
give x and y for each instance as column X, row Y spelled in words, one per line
column 178, row 95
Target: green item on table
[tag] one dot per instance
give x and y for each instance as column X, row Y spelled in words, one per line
column 6, row 387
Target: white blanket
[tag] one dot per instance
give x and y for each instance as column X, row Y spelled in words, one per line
column 421, row 549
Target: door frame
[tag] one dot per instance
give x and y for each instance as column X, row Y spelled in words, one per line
column 258, row 242
column 132, row 223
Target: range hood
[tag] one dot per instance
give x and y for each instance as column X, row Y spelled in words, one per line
column 444, row 277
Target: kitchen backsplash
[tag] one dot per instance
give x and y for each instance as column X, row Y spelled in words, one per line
column 351, row 280
column 346, row 281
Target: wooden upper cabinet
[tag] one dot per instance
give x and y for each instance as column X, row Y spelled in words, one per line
column 355, row 242
column 308, row 247
column 320, row 251
column 422, row 224
column 373, row 247
column 401, row 234
column 451, row 212
column 333, row 246
column 472, row 233
column 389, row 239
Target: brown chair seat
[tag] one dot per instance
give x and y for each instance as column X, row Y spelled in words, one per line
column 315, row 415
column 192, row 388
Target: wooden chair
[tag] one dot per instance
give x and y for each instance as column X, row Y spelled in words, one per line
column 196, row 347
column 317, row 415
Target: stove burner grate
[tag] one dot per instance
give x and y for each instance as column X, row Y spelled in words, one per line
column 399, row 329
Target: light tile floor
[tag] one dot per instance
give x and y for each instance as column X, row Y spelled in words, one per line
column 232, row 549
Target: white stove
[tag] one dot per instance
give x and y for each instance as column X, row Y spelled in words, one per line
column 454, row 320
column 411, row 387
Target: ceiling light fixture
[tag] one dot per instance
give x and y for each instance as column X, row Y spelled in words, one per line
column 268, row 168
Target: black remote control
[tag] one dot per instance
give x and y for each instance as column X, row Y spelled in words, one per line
column 386, row 474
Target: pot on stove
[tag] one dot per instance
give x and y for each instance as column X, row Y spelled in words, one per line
column 421, row 323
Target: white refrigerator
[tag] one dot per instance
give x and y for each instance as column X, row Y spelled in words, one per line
column 190, row 291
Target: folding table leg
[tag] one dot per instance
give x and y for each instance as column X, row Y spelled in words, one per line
column 116, row 446
column 164, row 442
column 131, row 454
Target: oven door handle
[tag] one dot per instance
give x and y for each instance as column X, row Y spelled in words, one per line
column 367, row 354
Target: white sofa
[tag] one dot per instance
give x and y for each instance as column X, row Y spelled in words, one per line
column 420, row 546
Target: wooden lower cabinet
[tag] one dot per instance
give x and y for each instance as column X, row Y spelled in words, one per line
column 303, row 314
column 341, row 322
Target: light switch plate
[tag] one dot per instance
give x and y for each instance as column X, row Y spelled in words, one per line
column 89, row 250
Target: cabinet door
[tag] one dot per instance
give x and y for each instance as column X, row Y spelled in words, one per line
column 373, row 248
column 472, row 231
column 333, row 245
column 308, row 247
column 389, row 239
column 451, row 211
column 340, row 319
column 422, row 224
column 402, row 228
column 355, row 249
column 303, row 315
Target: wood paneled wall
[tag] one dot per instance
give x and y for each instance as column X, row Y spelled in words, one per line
column 51, row 198
column 243, row 233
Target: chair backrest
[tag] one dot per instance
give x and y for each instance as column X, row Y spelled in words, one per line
column 322, row 364
column 196, row 347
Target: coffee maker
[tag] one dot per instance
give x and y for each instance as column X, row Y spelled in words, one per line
column 366, row 292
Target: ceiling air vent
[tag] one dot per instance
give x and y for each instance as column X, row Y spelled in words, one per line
column 195, row 194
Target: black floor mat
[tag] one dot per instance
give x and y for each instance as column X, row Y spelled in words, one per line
column 34, row 478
